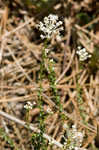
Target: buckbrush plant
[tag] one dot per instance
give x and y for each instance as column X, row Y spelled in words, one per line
column 50, row 27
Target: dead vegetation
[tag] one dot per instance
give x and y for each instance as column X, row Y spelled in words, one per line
column 20, row 59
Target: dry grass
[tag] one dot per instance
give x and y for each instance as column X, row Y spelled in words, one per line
column 20, row 58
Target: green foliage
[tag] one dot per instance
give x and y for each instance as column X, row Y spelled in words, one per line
column 42, row 114
column 93, row 147
column 63, row 116
column 83, row 18
column 40, row 5
column 52, row 79
column 7, row 139
column 38, row 141
column 80, row 104
column 79, row 95
column 27, row 2
column 94, row 62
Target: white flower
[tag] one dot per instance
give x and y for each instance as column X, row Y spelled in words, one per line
column 34, row 103
column 29, row 105
column 46, row 50
column 50, row 27
column 51, row 60
column 49, row 110
column 65, row 126
column 51, row 142
column 83, row 54
column 76, row 148
column 74, row 138
column 53, row 68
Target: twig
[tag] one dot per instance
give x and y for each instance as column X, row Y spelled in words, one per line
column 86, row 31
column 18, row 64
column 90, row 23
column 66, row 69
column 16, row 29
column 2, row 48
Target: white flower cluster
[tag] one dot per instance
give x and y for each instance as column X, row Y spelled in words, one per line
column 49, row 110
column 50, row 27
column 74, row 139
column 83, row 54
column 29, row 105
column 51, row 142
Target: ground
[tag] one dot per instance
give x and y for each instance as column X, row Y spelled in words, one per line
column 46, row 87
